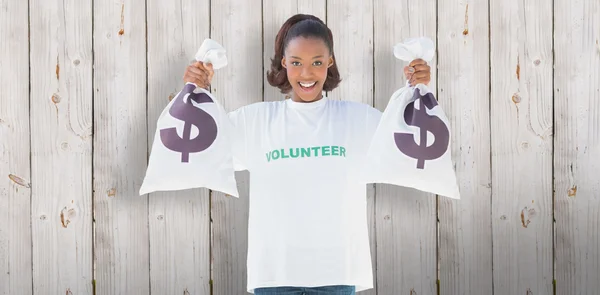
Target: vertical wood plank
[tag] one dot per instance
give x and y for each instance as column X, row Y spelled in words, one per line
column 275, row 13
column 465, row 238
column 577, row 146
column 61, row 146
column 236, row 24
column 61, row 64
column 521, row 145
column 178, row 221
column 351, row 23
column 15, row 187
column 406, row 218
column 120, row 148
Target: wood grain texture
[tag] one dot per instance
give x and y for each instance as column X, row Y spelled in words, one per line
column 275, row 13
column 406, row 218
column 179, row 221
column 521, row 145
column 121, row 247
column 15, row 174
column 61, row 146
column 237, row 26
column 577, row 146
column 465, row 237
column 351, row 23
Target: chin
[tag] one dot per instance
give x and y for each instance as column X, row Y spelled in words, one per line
column 308, row 97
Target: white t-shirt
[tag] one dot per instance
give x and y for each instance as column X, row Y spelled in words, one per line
column 307, row 222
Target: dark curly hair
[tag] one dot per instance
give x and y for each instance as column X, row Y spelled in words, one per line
column 307, row 26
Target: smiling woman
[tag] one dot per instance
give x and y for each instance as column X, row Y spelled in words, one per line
column 307, row 214
column 304, row 60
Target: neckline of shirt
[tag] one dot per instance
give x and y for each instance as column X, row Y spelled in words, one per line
column 307, row 105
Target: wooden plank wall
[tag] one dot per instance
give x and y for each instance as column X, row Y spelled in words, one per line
column 61, row 145
column 121, row 237
column 465, row 228
column 179, row 260
column 83, row 83
column 521, row 129
column 405, row 218
column 15, row 166
column 577, row 146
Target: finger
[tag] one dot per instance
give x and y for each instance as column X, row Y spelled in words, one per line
column 212, row 71
column 205, row 69
column 407, row 72
column 209, row 70
column 419, row 68
column 417, row 61
column 195, row 77
column 422, row 79
column 421, row 75
column 208, row 66
column 195, row 70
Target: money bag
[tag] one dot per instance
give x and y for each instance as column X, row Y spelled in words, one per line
column 192, row 144
column 411, row 145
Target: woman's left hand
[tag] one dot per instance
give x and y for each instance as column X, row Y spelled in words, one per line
column 418, row 72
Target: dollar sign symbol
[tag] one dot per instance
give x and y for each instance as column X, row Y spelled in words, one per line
column 419, row 118
column 191, row 115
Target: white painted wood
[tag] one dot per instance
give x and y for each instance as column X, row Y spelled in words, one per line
column 406, row 218
column 315, row 7
column 521, row 146
column 351, row 23
column 61, row 146
column 275, row 13
column 577, row 146
column 237, row 26
column 178, row 221
column 465, row 237
column 46, row 244
column 15, row 175
column 121, row 248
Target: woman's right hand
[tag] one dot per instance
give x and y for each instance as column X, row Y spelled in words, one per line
column 200, row 74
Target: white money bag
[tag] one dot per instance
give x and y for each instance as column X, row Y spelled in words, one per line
column 411, row 146
column 192, row 144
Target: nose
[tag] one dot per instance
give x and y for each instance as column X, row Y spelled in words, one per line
column 306, row 72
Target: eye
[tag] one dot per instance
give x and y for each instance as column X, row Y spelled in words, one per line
column 295, row 63
column 317, row 63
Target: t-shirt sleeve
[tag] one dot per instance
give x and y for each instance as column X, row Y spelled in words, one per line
column 373, row 117
column 239, row 139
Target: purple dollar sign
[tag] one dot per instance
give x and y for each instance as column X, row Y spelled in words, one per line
column 419, row 118
column 191, row 115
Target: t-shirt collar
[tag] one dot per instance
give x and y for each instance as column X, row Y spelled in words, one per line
column 308, row 105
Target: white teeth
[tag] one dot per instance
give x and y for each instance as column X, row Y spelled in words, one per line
column 307, row 85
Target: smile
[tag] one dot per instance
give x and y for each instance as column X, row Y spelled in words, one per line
column 307, row 85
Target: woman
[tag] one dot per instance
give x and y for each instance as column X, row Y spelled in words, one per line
column 307, row 228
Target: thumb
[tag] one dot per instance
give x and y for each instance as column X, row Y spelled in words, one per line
column 407, row 72
column 209, row 68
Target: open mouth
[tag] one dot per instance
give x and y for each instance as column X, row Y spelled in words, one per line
column 307, row 86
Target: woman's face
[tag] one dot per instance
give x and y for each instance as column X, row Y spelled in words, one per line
column 306, row 61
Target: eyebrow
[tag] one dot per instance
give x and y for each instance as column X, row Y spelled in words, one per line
column 318, row 56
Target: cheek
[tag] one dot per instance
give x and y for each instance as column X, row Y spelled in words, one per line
column 293, row 72
column 322, row 72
